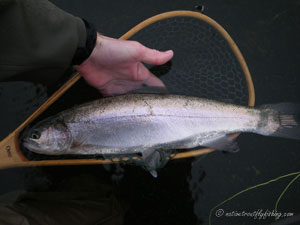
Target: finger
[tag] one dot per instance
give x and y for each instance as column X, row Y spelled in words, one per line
column 117, row 87
column 143, row 74
column 155, row 57
column 153, row 81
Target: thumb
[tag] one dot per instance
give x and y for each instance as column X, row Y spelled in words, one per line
column 155, row 57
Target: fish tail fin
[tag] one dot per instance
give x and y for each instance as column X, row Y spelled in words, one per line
column 288, row 119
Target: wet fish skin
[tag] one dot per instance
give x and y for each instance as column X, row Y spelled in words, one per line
column 138, row 123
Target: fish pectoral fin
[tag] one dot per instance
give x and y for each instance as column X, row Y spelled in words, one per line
column 223, row 143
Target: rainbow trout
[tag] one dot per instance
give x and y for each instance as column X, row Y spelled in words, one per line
column 149, row 123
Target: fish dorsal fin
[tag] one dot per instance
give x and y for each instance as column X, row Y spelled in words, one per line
column 223, row 143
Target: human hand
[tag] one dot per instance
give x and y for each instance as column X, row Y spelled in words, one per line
column 115, row 66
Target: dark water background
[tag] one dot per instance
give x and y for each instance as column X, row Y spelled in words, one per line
column 268, row 34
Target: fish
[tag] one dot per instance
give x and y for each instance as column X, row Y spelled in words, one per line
column 149, row 124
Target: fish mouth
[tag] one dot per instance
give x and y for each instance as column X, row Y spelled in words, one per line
column 31, row 145
column 34, row 146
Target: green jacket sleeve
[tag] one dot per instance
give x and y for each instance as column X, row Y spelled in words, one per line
column 36, row 34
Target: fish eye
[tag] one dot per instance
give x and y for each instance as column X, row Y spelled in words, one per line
column 36, row 134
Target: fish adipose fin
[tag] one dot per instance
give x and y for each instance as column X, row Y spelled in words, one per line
column 289, row 120
column 223, row 143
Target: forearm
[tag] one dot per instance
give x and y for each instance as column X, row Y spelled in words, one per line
column 36, row 34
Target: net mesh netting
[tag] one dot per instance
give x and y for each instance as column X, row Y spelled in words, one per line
column 203, row 64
